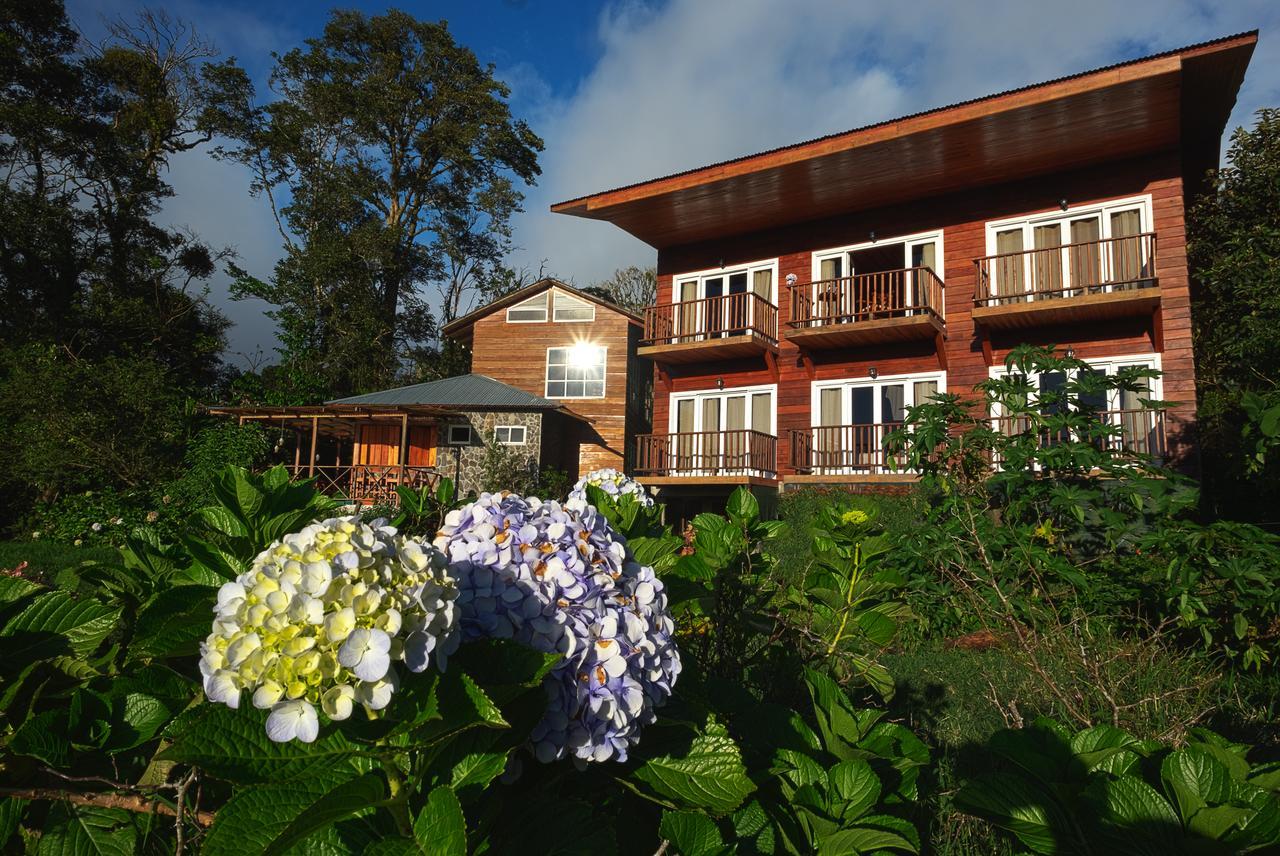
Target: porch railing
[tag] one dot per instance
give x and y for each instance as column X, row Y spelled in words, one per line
column 711, row 318
column 844, row 449
column 1139, row 431
column 867, row 297
column 707, row 453
column 1068, row 270
column 367, row 484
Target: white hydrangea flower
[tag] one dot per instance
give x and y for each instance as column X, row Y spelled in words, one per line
column 616, row 484
column 320, row 621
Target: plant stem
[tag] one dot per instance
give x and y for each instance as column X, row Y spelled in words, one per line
column 848, row 598
column 398, row 802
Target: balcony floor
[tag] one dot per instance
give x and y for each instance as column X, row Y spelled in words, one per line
column 869, row 332
column 727, row 348
column 671, row 481
column 1086, row 307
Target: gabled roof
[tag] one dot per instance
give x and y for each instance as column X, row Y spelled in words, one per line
column 460, row 328
column 1156, row 103
column 465, row 391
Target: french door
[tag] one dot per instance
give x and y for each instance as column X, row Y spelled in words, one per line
column 714, row 430
column 854, row 417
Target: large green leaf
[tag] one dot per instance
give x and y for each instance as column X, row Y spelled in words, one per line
column 11, row 811
column 173, row 622
column 1094, row 745
column 1024, row 809
column 853, row 787
column 256, row 817
column 709, row 776
column 15, row 588
column 462, row 704
column 441, row 829
column 82, row 622
column 72, row 830
column 345, row 800
column 1133, row 815
column 1195, row 779
column 867, row 839
column 691, row 833
column 233, row 745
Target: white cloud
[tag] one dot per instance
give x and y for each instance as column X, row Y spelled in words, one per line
column 695, row 81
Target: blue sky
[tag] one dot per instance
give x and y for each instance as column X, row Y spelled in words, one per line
column 623, row 90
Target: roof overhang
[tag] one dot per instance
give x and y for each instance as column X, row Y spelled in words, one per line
column 303, row 413
column 1181, row 97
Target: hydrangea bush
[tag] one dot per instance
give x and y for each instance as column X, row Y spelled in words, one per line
column 559, row 579
column 320, row 619
column 614, row 483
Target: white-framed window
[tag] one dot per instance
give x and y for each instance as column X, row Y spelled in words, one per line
column 722, row 314
column 566, row 307
column 851, row 417
column 888, row 277
column 1084, row 249
column 529, row 311
column 724, row 430
column 576, row 371
column 509, row 435
column 1140, row 426
column 459, row 435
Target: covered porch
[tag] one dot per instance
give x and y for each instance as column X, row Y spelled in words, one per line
column 358, row 452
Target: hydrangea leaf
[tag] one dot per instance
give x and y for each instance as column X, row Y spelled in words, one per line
column 692, row 833
column 1024, row 809
column 233, row 745
column 278, row 815
column 441, row 828
column 172, row 623
column 1195, row 779
column 55, row 616
column 73, row 829
column 710, row 775
column 864, row 839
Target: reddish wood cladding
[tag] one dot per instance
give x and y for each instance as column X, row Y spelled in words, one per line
column 516, row 354
column 963, row 218
column 379, row 445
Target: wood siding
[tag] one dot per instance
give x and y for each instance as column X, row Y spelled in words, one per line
column 516, row 354
column 962, row 217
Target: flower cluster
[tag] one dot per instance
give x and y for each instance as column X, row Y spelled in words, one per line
column 612, row 482
column 557, row 578
column 321, row 617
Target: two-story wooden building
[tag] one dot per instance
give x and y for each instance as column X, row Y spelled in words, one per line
column 808, row 295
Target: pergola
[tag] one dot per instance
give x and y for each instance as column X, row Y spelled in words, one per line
column 400, row 450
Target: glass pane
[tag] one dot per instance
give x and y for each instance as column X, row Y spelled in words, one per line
column 831, row 268
column 891, row 400
column 1086, row 260
column 688, row 322
column 684, row 416
column 862, row 405
column 923, row 255
column 595, row 388
column 1046, row 263
column 762, row 284
column 710, row 414
column 1009, row 270
column 1093, row 400
column 1126, row 252
column 738, row 283
column 555, row 389
column 923, row 390
column 762, row 412
column 1051, row 399
column 829, row 407
column 1132, row 399
column 735, row 417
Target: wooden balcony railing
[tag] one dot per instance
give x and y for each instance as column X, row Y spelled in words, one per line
column 843, row 449
column 710, row 319
column 1067, row 271
column 905, row 293
column 1139, row 431
column 708, row 453
column 367, row 484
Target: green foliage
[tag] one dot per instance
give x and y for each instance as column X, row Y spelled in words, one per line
column 1233, row 245
column 1102, row 790
column 423, row 510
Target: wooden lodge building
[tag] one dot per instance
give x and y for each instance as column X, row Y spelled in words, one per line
column 808, row 295
column 555, row 380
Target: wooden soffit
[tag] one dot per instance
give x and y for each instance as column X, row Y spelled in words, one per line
column 1137, row 107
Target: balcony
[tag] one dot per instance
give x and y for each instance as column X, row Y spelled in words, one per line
column 366, row 484
column 1138, row 432
column 867, row 309
column 728, row 327
column 846, row 452
column 708, row 457
column 1088, row 281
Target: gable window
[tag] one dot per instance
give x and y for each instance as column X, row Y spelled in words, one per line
column 1088, row 249
column 509, row 435
column 529, row 311
column 566, row 307
column 459, row 435
column 576, row 371
column 718, row 303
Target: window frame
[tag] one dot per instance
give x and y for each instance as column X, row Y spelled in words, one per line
column 847, row 384
column 524, row 435
column 546, row 309
column 591, row 307
column 726, row 271
column 450, row 440
column 699, row 395
column 604, row 377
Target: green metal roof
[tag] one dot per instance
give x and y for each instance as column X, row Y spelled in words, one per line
column 470, row 390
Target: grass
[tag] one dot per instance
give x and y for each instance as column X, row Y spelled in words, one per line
column 45, row 558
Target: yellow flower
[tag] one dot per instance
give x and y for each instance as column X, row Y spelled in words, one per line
column 854, row 517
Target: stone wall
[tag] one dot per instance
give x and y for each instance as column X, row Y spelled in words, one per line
column 465, row 463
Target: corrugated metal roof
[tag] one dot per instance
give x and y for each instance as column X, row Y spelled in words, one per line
column 470, row 390
column 865, row 128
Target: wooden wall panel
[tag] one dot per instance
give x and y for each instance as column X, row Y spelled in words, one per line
column 962, row 218
column 516, row 354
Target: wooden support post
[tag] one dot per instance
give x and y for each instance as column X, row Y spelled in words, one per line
column 311, row 459
column 1157, row 331
column 404, row 442
column 807, row 361
column 985, row 335
column 297, row 454
column 771, row 362
column 940, row 345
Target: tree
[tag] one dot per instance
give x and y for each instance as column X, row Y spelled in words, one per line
column 106, row 331
column 391, row 161
column 1234, row 250
column 633, row 288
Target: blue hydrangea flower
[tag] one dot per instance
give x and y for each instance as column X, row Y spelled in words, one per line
column 612, row 482
column 559, row 579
